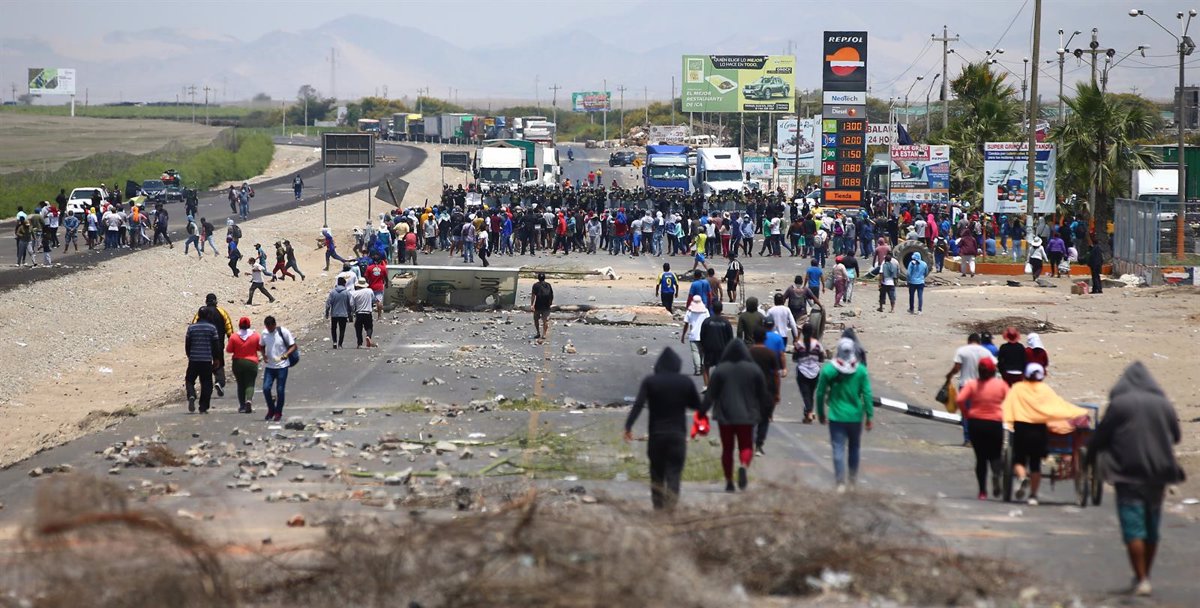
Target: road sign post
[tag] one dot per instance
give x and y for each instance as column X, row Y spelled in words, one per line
column 347, row 150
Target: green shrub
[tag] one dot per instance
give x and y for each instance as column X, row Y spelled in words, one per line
column 231, row 156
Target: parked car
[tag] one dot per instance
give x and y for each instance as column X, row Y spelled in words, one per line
column 153, row 190
column 766, row 88
column 622, row 158
column 80, row 199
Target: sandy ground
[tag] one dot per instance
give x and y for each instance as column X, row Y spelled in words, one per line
column 70, row 367
column 47, row 142
column 286, row 161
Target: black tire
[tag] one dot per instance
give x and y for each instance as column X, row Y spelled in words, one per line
column 1006, row 476
column 903, row 254
column 1082, row 479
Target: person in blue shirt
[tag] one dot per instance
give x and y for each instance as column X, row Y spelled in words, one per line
column 814, row 274
column 773, row 340
column 700, row 288
column 917, row 269
column 668, row 284
column 989, row 246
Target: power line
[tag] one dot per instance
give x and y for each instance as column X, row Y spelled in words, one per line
column 1010, row 23
column 925, row 49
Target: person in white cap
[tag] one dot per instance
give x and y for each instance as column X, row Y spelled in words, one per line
column 1037, row 257
column 697, row 312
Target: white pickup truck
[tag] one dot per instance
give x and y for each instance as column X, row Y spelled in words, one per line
column 80, row 199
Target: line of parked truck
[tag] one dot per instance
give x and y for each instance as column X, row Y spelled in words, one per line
column 458, row 127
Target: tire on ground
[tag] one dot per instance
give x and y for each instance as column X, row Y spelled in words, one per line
column 904, row 252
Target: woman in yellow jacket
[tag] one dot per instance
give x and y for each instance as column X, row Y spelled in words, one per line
column 1029, row 407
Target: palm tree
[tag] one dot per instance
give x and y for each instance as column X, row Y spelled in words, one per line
column 1096, row 145
column 989, row 111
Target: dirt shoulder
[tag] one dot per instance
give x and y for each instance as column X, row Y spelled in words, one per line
column 72, row 368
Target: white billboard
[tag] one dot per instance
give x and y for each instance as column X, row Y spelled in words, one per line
column 788, row 139
column 669, row 134
column 1006, row 173
column 51, row 81
column 881, row 134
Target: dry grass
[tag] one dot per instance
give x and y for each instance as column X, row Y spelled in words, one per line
column 87, row 547
column 1025, row 325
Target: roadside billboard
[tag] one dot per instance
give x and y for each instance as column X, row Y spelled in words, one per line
column 881, row 134
column 788, row 139
column 669, row 134
column 738, row 83
column 1005, row 177
column 591, row 101
column 51, row 81
column 920, row 174
column 758, row 167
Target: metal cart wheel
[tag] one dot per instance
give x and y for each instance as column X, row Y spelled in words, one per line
column 1081, row 474
column 1006, row 477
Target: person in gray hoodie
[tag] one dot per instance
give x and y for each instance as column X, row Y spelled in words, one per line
column 338, row 307
column 1135, row 438
column 667, row 395
column 737, row 395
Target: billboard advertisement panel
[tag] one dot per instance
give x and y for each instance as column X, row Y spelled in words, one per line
column 1005, row 177
column 920, row 174
column 758, row 167
column 789, row 140
column 739, row 83
column 51, row 81
column 881, row 134
column 668, row 134
column 591, row 101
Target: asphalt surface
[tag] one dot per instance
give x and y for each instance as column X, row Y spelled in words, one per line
column 271, row 197
column 478, row 356
column 455, row 357
column 592, row 159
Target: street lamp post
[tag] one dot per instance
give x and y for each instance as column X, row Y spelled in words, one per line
column 910, row 88
column 1062, row 55
column 928, row 124
column 1024, row 84
column 1185, row 46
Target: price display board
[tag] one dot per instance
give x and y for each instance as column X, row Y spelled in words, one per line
column 843, row 164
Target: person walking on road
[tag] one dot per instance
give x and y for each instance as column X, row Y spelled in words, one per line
column 234, row 255
column 697, row 312
column 160, row 226
column 364, row 302
column 542, row 298
column 845, row 388
column 24, row 235
column 244, row 196
column 297, row 185
column 1028, row 407
column 220, row 319
column 1136, row 434
column 1037, row 257
column 889, row 269
column 280, row 263
column 193, row 238
column 737, row 395
column 201, row 344
column 917, row 269
column 666, row 394
column 276, row 345
column 715, row 335
column 244, row 346
column 772, row 365
column 338, row 306
column 256, row 283
column 206, row 236
column 966, row 365
column 749, row 321
column 1010, row 357
column 71, row 235
column 980, row 401
column 667, row 286
column 808, row 355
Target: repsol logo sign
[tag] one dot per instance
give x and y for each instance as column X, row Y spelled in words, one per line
column 845, row 39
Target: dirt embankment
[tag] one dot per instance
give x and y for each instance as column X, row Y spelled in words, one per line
column 85, row 347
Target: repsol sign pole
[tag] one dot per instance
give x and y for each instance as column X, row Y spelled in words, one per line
column 843, row 128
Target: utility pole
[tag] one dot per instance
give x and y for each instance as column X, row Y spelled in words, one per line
column 672, row 100
column 1024, row 77
column 621, row 88
column 554, row 102
column 537, row 97
column 306, row 115
column 604, row 91
column 945, row 40
column 206, row 90
column 192, row 91
column 1031, row 124
column 333, row 73
column 646, row 94
column 1094, row 50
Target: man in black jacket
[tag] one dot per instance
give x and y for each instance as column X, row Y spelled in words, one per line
column 715, row 334
column 667, row 394
column 202, row 345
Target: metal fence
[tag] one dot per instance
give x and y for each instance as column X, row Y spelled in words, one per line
column 1146, row 236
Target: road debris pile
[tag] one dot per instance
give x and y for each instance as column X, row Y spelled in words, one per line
column 1025, row 325
column 530, row 548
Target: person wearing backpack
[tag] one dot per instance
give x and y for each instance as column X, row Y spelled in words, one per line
column 667, row 287
column 279, row 354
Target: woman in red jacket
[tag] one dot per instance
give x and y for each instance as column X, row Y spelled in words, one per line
column 980, row 401
column 243, row 345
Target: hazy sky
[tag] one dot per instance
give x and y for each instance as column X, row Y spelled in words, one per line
column 900, row 30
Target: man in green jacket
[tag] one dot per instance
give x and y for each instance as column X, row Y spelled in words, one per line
column 844, row 384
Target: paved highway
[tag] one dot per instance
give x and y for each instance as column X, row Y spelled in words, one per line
column 272, row 196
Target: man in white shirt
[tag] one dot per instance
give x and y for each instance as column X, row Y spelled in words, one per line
column 785, row 321
column 697, row 312
column 276, row 345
